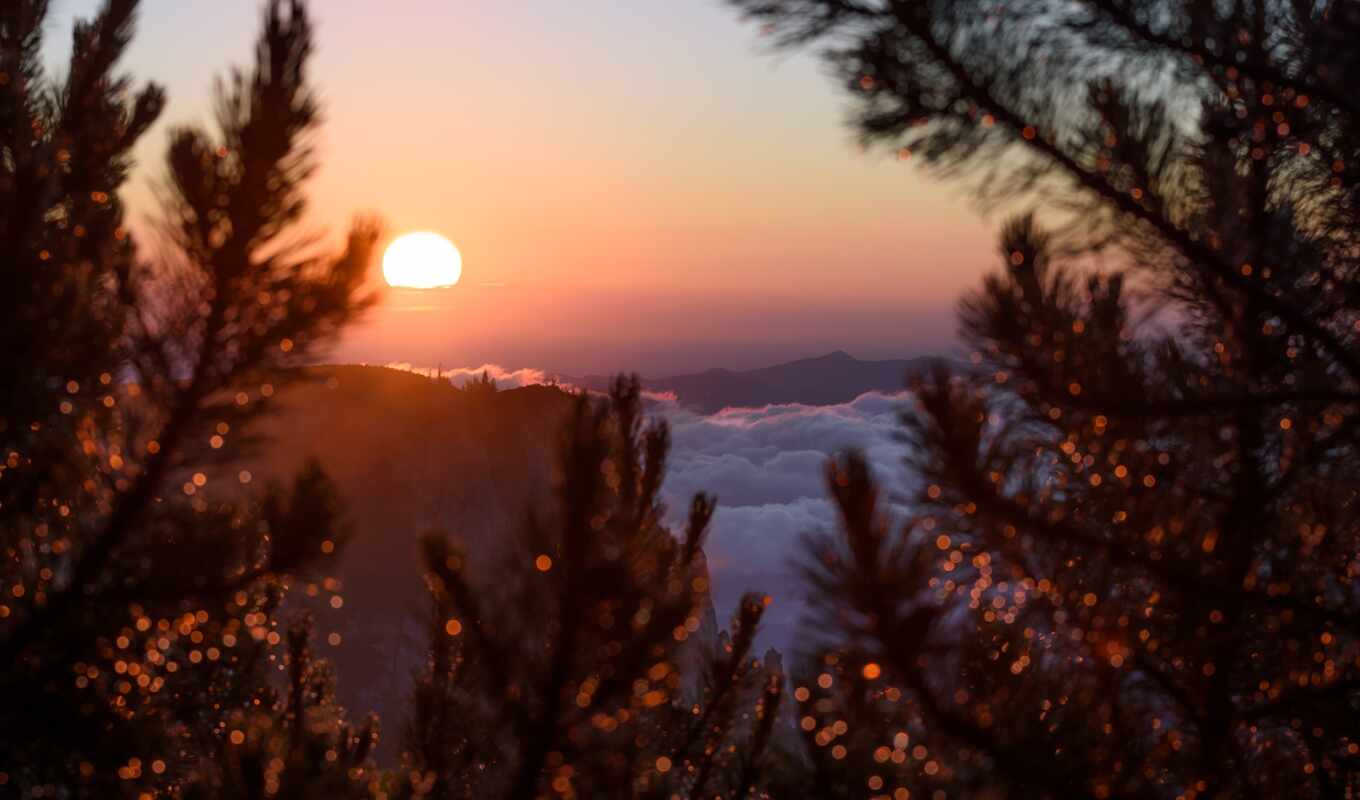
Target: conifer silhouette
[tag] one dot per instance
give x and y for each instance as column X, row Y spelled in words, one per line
column 557, row 674
column 141, row 578
column 1128, row 566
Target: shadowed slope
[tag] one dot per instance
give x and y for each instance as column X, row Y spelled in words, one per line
column 409, row 455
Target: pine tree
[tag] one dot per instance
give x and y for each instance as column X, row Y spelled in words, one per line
column 1128, row 567
column 483, row 386
column 140, row 576
column 561, row 674
column 296, row 744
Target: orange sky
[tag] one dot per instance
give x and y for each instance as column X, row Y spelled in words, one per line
column 633, row 183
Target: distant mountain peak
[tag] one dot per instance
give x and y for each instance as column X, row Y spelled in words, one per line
column 836, row 355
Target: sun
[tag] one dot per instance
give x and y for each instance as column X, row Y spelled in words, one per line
column 422, row 261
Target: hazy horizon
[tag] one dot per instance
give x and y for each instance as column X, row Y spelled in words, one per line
column 651, row 334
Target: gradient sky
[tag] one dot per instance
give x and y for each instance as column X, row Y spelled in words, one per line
column 634, row 184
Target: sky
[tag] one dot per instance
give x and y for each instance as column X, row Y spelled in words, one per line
column 633, row 184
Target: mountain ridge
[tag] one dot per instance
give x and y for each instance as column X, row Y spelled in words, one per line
column 830, row 379
column 410, row 455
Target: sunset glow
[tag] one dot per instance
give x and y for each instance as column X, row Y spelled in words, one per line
column 590, row 254
column 422, row 261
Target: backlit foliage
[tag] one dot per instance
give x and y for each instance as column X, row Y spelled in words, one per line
column 1129, row 566
column 140, row 578
column 563, row 674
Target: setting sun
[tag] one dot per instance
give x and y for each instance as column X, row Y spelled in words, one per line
column 422, row 261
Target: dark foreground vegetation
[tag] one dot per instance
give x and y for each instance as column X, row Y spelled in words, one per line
column 1128, row 567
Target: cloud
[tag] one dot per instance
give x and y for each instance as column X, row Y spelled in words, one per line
column 660, row 397
column 777, row 454
column 767, row 466
column 461, row 376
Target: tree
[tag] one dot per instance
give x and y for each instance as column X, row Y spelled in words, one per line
column 481, row 386
column 136, row 592
column 1128, row 569
column 562, row 674
column 297, row 744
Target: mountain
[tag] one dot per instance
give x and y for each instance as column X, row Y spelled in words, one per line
column 827, row 380
column 410, row 455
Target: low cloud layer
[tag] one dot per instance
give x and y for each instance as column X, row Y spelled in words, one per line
column 767, row 467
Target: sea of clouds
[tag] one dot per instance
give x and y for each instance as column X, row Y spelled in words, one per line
column 767, row 467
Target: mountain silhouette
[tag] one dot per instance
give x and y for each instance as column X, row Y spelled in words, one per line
column 410, row 454
column 836, row 377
